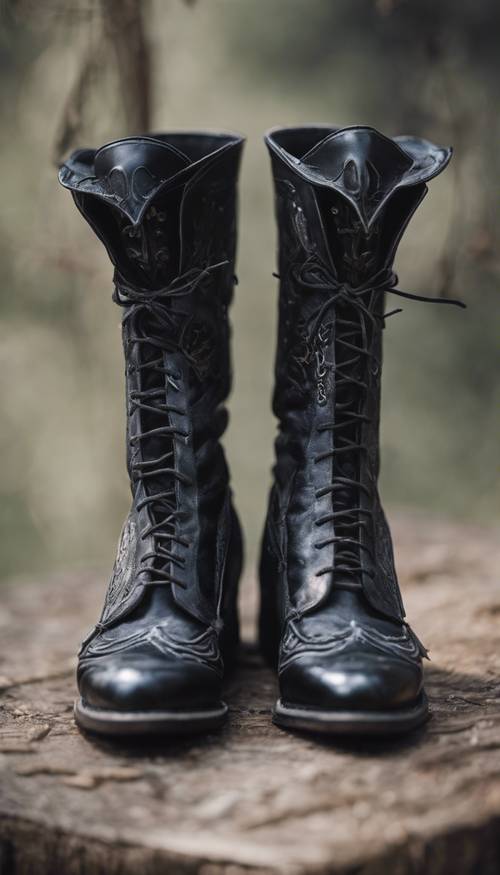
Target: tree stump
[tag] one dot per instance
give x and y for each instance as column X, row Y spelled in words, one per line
column 253, row 798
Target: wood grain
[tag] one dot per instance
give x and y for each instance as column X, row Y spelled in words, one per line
column 253, row 798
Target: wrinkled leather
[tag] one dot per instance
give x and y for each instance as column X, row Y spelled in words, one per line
column 165, row 209
column 343, row 201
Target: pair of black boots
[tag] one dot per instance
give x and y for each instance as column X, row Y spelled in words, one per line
column 332, row 619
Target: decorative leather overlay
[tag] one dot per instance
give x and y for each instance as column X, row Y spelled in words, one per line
column 403, row 646
column 294, row 228
column 364, row 166
column 314, row 355
column 147, row 244
column 323, row 367
column 203, row 648
column 123, row 575
column 139, row 184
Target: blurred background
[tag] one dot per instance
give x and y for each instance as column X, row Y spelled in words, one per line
column 83, row 72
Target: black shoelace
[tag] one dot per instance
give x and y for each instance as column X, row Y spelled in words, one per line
column 154, row 326
column 355, row 323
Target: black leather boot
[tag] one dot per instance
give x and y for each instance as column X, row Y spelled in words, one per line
column 332, row 619
column 164, row 207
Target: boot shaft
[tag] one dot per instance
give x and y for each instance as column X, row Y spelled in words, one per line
column 165, row 209
column 343, row 200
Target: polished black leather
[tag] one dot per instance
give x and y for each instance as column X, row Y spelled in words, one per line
column 165, row 208
column 332, row 618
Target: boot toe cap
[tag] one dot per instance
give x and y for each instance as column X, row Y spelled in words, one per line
column 143, row 683
column 354, row 684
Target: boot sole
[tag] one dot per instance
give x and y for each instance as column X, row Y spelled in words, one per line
column 105, row 722
column 375, row 723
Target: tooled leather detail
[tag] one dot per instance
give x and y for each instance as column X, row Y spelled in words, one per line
column 293, row 231
column 199, row 335
column 146, row 243
column 203, row 648
column 322, row 365
column 116, row 186
column 310, row 360
column 123, row 574
column 295, row 644
column 137, row 185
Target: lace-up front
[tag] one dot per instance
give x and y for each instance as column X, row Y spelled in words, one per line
column 332, row 618
column 155, row 327
column 357, row 314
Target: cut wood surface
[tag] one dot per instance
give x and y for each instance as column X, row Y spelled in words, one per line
column 254, row 798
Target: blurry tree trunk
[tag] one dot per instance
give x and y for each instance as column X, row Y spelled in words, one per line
column 121, row 28
column 124, row 26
